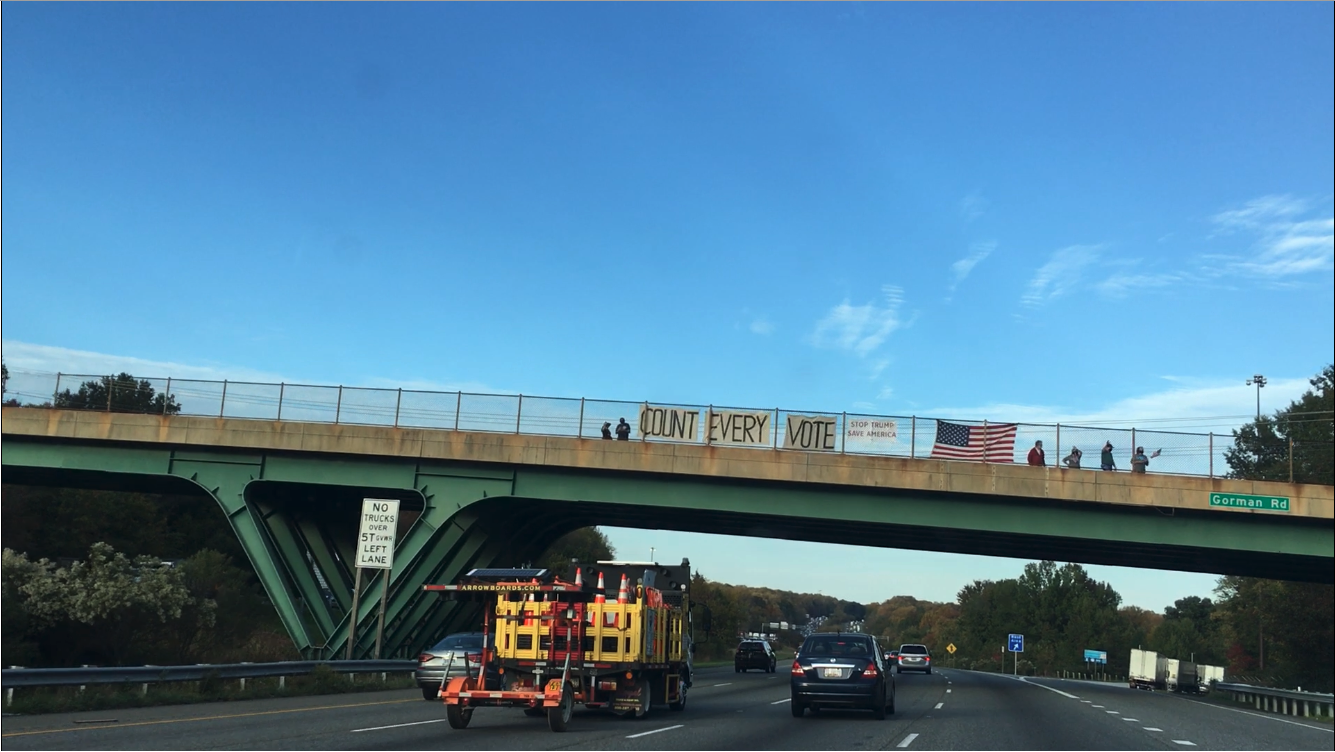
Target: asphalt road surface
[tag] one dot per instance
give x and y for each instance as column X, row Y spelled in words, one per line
column 944, row 711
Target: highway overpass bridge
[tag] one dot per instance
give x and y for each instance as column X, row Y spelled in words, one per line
column 292, row 491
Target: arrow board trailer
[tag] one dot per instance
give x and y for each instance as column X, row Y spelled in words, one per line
column 554, row 642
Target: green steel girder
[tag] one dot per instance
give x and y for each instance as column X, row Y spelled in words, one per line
column 483, row 514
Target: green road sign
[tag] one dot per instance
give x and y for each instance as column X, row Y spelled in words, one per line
column 1248, row 501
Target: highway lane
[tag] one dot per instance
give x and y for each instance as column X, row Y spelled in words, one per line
column 946, row 710
column 1181, row 718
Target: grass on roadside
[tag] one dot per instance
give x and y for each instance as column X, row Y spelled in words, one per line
column 39, row 700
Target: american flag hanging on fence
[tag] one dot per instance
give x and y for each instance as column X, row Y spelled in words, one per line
column 955, row 441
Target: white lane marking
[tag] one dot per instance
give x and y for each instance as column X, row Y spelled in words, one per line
column 780, row 702
column 947, row 691
column 1096, row 706
column 907, row 741
column 398, row 725
column 1133, row 720
column 1052, row 689
column 1112, row 712
column 1151, row 728
column 1084, row 701
column 1184, row 742
column 655, row 731
column 1258, row 715
column 938, row 706
column 724, row 684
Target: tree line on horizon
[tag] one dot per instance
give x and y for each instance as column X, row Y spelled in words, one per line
column 1273, row 632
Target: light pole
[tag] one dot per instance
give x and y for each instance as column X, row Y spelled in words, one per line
column 1259, row 381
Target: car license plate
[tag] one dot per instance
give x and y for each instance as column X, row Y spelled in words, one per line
column 832, row 673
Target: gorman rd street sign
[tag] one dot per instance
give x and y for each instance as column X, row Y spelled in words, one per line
column 1250, row 501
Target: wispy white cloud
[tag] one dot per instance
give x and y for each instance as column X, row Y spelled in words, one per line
column 878, row 367
column 860, row 329
column 1063, row 273
column 1190, row 405
column 33, row 370
column 762, row 326
column 1284, row 242
column 1119, row 284
column 977, row 252
column 973, row 206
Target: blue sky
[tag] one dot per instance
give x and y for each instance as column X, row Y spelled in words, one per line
column 1015, row 212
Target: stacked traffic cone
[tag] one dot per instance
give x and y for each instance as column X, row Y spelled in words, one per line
column 599, row 597
column 624, row 595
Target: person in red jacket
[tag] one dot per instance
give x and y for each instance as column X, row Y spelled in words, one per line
column 1036, row 456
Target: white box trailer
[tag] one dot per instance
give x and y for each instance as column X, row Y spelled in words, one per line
column 1148, row 670
column 1208, row 675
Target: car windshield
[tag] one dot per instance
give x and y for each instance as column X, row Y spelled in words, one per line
column 751, row 646
column 838, row 648
column 913, row 649
column 459, row 642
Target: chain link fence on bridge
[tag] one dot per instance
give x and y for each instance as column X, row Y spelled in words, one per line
column 1169, row 452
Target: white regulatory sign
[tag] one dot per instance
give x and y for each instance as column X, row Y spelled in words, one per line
column 375, row 538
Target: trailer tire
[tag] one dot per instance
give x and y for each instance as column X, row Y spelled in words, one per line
column 559, row 717
column 680, row 704
column 458, row 716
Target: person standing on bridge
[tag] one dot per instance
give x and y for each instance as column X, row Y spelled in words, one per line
column 1036, row 455
column 1139, row 461
column 1073, row 459
column 607, row 430
column 623, row 430
column 1106, row 458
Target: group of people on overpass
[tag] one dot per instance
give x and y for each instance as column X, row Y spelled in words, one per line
column 1139, row 461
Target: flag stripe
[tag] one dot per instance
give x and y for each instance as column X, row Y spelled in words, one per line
column 956, row 441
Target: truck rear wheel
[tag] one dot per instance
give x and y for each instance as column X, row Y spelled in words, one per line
column 559, row 717
column 458, row 716
column 680, row 704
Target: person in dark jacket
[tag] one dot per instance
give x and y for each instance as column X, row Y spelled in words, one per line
column 607, row 430
column 623, row 430
column 1106, row 458
column 1036, row 456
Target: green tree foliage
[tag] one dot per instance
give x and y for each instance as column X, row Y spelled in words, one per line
column 64, row 523
column 122, row 393
column 1189, row 630
column 588, row 544
column 1278, row 632
column 1260, row 449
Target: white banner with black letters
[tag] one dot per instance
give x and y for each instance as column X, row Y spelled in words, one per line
column 739, row 428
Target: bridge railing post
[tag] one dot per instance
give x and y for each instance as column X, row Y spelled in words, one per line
column 913, row 437
column 338, row 406
column 458, row 404
column 581, row 418
column 519, row 411
column 776, row 428
column 397, row 404
column 1059, row 446
column 167, row 395
column 1212, row 454
column 222, row 403
column 282, row 387
column 843, row 440
column 56, row 394
column 984, row 441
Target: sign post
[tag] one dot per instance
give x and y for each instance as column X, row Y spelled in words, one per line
column 375, row 550
column 1015, row 643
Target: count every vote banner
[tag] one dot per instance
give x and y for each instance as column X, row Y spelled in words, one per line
column 727, row 427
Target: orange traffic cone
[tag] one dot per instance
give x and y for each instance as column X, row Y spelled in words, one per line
column 624, row 595
column 600, row 597
column 579, row 577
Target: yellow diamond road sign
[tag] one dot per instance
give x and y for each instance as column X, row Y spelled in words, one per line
column 951, row 648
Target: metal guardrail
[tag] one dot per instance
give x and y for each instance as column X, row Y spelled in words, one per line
column 64, row 677
column 1174, row 452
column 1284, row 701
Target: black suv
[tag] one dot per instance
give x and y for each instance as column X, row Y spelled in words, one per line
column 842, row 670
column 754, row 654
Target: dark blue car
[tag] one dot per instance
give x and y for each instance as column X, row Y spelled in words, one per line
column 842, row 671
